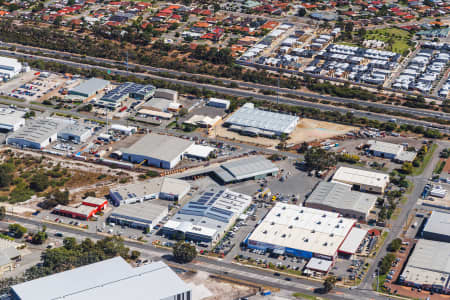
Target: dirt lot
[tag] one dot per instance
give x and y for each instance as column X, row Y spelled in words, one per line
column 207, row 288
column 307, row 130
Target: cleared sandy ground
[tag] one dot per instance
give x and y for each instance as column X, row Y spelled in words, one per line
column 207, row 288
column 307, row 130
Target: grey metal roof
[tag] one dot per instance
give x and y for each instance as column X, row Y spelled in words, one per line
column 248, row 116
column 76, row 129
column 431, row 255
column 157, row 185
column 438, row 223
column 90, row 86
column 340, row 196
column 36, row 131
column 147, row 211
column 112, row 279
column 249, row 167
column 161, row 147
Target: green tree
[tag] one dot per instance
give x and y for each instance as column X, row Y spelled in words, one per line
column 184, row 252
column 329, row 283
column 395, row 245
column 2, row 212
column 39, row 237
column 135, row 254
column 17, row 230
column 407, row 168
column 39, row 182
column 6, row 175
column 319, row 159
column 386, row 263
column 69, row 243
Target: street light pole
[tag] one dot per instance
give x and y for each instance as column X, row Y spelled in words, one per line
column 378, row 276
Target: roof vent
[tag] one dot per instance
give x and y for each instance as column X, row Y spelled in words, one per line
column 272, row 223
column 340, row 221
column 301, row 211
column 324, row 216
column 325, row 244
column 290, row 227
column 265, row 231
column 318, row 222
column 284, row 208
column 306, row 240
column 296, row 218
column 337, row 226
column 283, row 235
column 331, row 234
column 278, row 215
column 312, row 231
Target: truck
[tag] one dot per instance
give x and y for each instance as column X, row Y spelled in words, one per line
column 266, row 293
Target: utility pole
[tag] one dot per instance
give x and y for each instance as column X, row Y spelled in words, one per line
column 378, row 276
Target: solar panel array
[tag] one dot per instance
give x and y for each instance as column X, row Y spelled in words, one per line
column 129, row 89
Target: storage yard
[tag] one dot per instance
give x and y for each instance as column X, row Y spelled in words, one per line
column 307, row 130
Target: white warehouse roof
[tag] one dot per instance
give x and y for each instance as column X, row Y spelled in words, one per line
column 162, row 147
column 249, row 116
column 302, row 228
column 359, row 176
column 353, row 240
column 112, row 279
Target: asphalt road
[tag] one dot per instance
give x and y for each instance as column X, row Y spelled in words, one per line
column 397, row 225
column 221, row 267
column 237, row 92
column 244, row 93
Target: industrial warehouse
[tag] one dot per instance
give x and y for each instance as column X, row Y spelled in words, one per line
column 220, row 103
column 118, row 280
column 208, row 216
column 437, row 227
column 362, row 180
column 338, row 197
column 253, row 121
column 114, row 98
column 301, row 232
column 164, row 188
column 40, row 133
column 36, row 134
column 156, row 150
column 11, row 120
column 76, row 132
column 88, row 208
column 428, row 267
column 254, row 167
column 391, row 151
column 142, row 216
column 9, row 68
column 89, row 87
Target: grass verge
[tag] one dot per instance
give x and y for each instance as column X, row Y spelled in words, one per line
column 306, row 296
column 419, row 170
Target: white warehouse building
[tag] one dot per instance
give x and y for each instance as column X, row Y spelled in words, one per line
column 36, row 134
column 9, row 67
column 11, row 120
column 156, row 150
